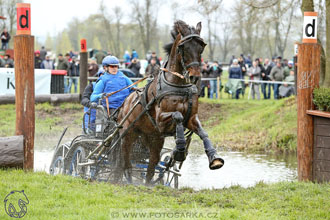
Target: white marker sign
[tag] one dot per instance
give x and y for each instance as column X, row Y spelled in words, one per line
column 310, row 27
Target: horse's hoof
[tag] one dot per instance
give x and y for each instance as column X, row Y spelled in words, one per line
column 179, row 155
column 216, row 164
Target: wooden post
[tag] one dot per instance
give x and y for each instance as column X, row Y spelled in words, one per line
column 307, row 79
column 24, row 82
column 83, row 66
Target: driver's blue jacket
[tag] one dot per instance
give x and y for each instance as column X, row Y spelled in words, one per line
column 110, row 83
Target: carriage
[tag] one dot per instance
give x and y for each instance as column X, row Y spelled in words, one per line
column 83, row 157
column 127, row 145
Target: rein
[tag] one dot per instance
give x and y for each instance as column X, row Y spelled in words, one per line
column 174, row 73
column 112, row 93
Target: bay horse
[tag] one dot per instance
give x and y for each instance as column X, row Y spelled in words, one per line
column 168, row 104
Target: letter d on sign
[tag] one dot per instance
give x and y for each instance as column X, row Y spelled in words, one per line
column 83, row 45
column 23, row 19
column 310, row 27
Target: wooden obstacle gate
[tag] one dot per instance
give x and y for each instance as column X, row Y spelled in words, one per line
column 321, row 146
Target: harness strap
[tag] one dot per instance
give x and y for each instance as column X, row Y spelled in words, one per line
column 190, row 36
column 188, row 114
column 146, row 106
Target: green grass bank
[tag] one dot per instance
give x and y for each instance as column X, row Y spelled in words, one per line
column 63, row 197
column 251, row 125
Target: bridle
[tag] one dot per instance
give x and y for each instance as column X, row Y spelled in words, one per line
column 181, row 52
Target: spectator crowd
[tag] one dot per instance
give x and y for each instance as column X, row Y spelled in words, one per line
column 276, row 75
column 266, row 75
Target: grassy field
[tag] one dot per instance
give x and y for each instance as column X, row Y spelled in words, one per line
column 48, row 118
column 252, row 125
column 63, row 197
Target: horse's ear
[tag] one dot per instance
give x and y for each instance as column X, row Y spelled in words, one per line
column 199, row 27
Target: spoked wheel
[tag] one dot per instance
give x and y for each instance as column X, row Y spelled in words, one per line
column 107, row 166
column 171, row 179
column 78, row 157
column 57, row 163
column 57, row 167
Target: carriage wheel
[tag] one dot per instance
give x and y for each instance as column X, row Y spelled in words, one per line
column 57, row 163
column 174, row 182
column 78, row 156
column 57, row 167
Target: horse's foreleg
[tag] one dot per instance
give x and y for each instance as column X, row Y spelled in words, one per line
column 179, row 153
column 215, row 161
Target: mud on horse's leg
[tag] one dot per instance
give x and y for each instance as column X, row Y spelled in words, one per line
column 215, row 161
column 179, row 153
column 127, row 144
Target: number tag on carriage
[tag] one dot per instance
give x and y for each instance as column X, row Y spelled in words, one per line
column 98, row 128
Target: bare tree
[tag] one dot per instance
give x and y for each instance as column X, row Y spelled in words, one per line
column 225, row 41
column 107, row 25
column 146, row 17
column 282, row 16
column 118, row 17
column 73, row 33
column 2, row 13
column 246, row 26
column 11, row 13
column 209, row 9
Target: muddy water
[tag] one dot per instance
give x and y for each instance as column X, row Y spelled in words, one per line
column 239, row 169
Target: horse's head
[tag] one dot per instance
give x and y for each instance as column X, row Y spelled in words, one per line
column 186, row 50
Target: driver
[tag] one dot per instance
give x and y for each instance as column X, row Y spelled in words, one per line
column 111, row 81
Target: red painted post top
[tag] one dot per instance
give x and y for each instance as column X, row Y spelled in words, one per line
column 83, row 45
column 23, row 19
column 59, row 72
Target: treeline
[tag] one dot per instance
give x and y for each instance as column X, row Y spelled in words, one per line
column 242, row 27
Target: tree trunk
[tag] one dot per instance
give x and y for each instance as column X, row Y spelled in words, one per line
column 307, row 5
column 327, row 55
column 211, row 52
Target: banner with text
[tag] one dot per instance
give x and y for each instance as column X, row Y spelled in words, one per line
column 42, row 78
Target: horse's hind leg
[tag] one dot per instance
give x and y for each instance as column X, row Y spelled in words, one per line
column 127, row 143
column 155, row 145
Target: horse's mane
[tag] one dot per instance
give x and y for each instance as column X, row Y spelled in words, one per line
column 184, row 30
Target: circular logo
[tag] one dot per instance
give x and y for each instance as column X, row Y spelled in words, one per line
column 15, row 204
